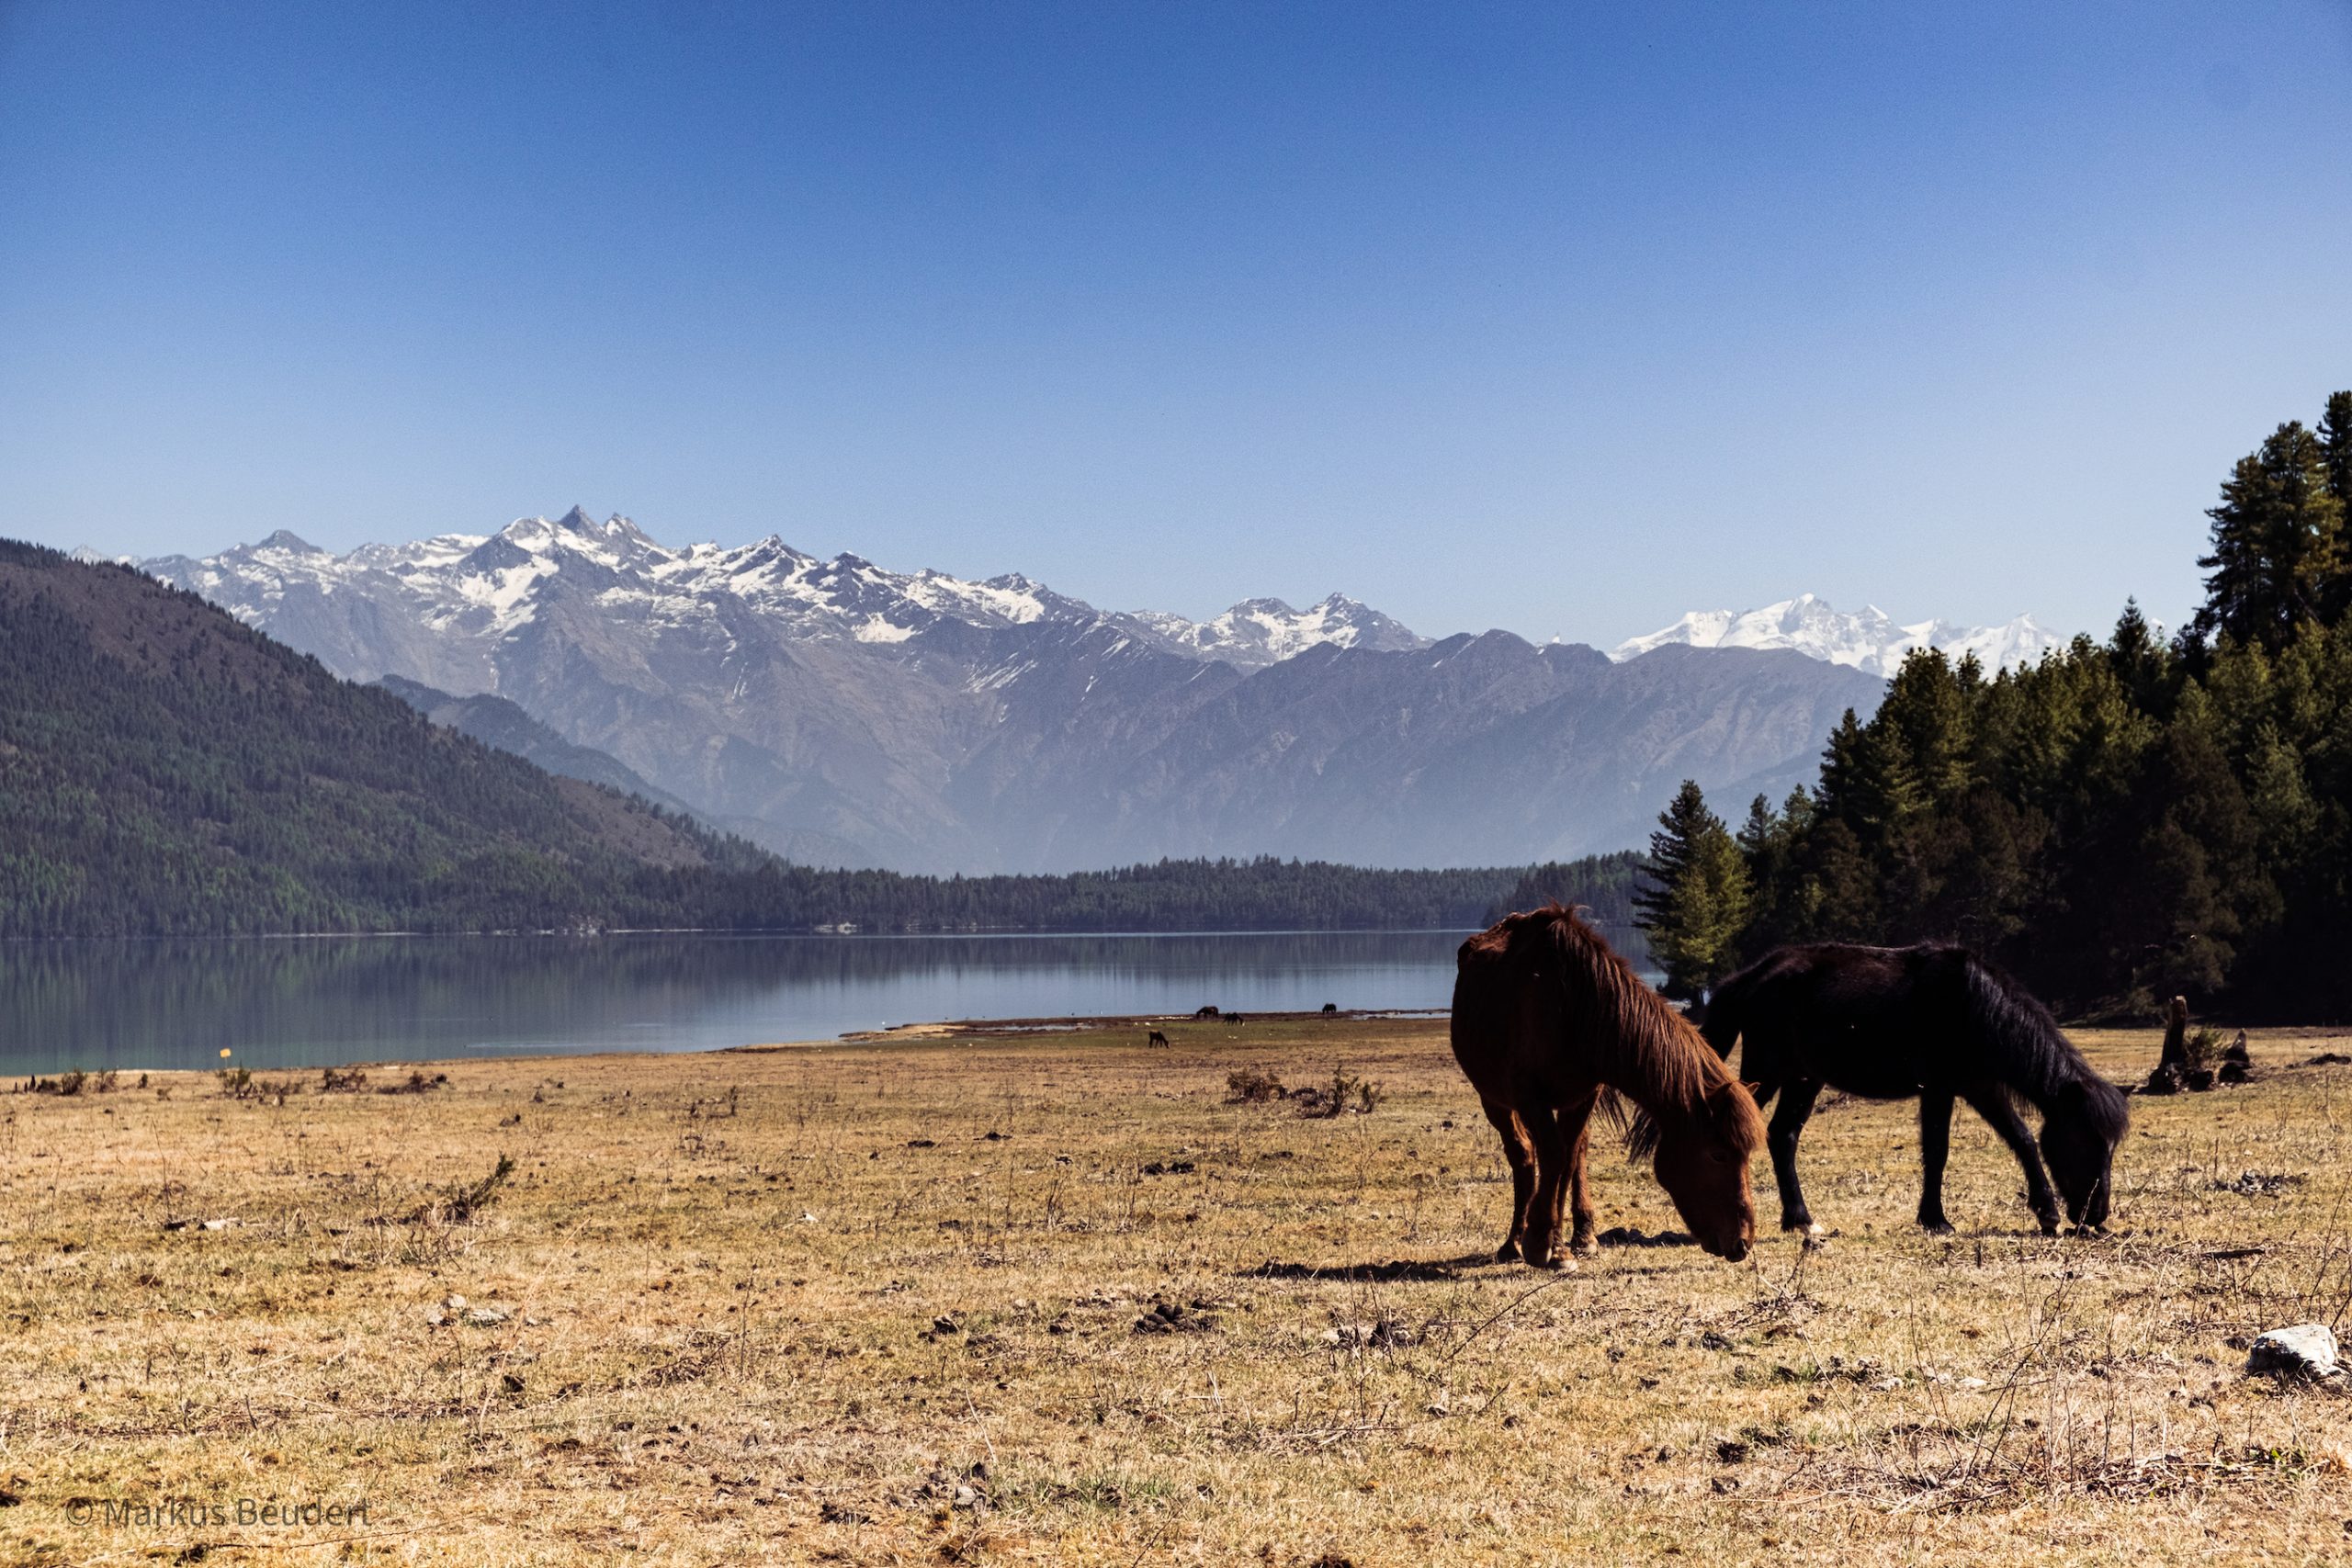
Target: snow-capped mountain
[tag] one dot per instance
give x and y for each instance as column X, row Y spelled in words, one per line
column 468, row 589
column 1868, row 639
column 839, row 711
column 1267, row 631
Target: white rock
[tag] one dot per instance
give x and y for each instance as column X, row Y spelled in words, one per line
column 486, row 1317
column 2303, row 1350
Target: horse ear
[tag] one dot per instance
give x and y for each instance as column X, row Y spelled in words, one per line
column 1753, row 1088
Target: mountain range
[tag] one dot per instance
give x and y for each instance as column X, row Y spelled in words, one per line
column 167, row 771
column 1867, row 640
column 839, row 712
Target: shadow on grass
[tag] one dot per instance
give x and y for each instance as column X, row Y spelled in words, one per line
column 1372, row 1273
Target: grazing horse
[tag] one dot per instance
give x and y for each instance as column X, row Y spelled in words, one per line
column 1936, row 1022
column 1547, row 1023
column 1158, row 1041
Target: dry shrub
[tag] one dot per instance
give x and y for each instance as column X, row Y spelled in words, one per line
column 1345, row 1095
column 1248, row 1086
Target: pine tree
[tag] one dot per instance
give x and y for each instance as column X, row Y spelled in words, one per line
column 2140, row 660
column 1929, row 714
column 1698, row 897
column 2335, row 442
column 2278, row 544
column 1869, row 779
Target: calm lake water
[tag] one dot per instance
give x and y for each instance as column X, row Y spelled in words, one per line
column 313, row 1001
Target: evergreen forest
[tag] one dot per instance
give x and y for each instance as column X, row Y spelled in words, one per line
column 2127, row 820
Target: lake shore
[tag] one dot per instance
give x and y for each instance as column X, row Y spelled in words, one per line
column 282, row 1007
column 973, row 1296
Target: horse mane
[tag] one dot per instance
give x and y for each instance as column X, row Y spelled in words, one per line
column 2045, row 1062
column 1649, row 1053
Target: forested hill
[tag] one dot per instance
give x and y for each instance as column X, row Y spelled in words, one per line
column 167, row 771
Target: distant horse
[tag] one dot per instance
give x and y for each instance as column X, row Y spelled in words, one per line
column 1547, row 1021
column 1932, row 1021
column 1205, row 1012
column 1235, row 1018
column 1158, row 1041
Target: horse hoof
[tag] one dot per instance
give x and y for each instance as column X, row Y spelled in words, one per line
column 1583, row 1246
column 1558, row 1263
column 1507, row 1253
column 1800, row 1223
column 1936, row 1227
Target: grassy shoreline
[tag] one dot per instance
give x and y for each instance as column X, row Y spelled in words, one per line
column 976, row 1298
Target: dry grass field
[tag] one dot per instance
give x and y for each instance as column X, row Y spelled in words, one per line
column 987, row 1300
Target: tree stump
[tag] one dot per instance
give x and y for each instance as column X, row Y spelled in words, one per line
column 2176, row 1067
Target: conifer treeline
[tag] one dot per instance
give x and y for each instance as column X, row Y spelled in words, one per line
column 1263, row 894
column 2124, row 821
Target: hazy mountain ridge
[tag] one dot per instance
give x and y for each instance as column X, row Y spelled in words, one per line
column 922, row 721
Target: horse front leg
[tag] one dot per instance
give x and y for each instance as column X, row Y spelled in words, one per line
column 1992, row 1104
column 1521, row 1157
column 1781, row 1139
column 1576, row 1127
column 1935, row 1146
column 1550, row 1178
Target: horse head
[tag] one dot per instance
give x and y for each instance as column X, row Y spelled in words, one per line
column 2080, row 1129
column 1702, row 1164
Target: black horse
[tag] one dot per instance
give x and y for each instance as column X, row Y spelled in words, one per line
column 1932, row 1021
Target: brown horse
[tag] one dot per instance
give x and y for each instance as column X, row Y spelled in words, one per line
column 1547, row 1021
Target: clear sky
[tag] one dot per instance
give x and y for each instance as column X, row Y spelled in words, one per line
column 1559, row 317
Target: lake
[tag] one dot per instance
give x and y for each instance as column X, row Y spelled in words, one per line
column 308, row 1002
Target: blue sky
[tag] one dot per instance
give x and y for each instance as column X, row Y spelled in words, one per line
column 1563, row 319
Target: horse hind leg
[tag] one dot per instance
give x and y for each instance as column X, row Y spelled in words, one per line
column 1781, row 1140
column 1992, row 1104
column 1521, row 1156
column 1935, row 1146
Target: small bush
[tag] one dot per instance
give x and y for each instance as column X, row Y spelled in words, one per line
column 343, row 1080
column 417, row 1083
column 459, row 1204
column 2203, row 1046
column 1345, row 1095
column 1250, row 1087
